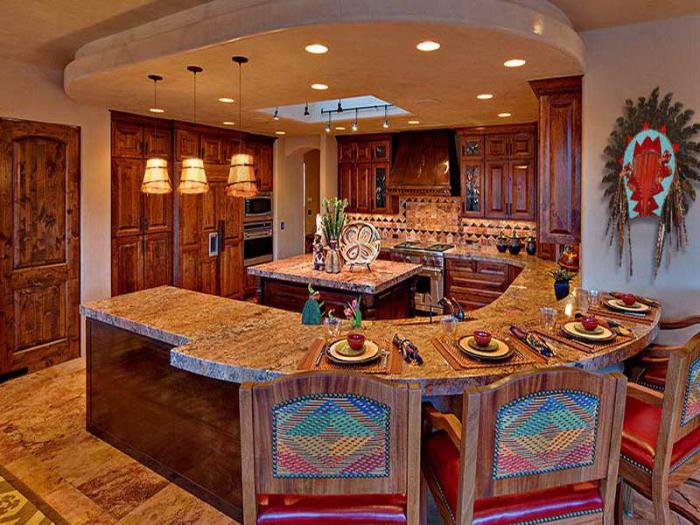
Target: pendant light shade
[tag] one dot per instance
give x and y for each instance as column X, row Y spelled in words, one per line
column 241, row 174
column 156, row 179
column 193, row 178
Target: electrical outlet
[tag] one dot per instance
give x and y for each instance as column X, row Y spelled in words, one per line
column 282, row 225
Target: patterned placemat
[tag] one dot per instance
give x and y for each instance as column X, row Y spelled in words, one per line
column 391, row 364
column 589, row 348
column 522, row 355
column 630, row 318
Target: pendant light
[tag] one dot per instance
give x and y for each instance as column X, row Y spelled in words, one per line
column 355, row 127
column 328, row 126
column 385, row 124
column 241, row 174
column 306, row 110
column 155, row 178
column 276, row 115
column 193, row 179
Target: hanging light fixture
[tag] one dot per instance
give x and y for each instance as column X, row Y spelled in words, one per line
column 193, row 178
column 328, row 126
column 306, row 110
column 355, row 127
column 340, row 106
column 276, row 115
column 156, row 179
column 241, row 174
column 386, row 119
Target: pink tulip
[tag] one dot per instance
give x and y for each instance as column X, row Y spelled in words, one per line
column 353, row 304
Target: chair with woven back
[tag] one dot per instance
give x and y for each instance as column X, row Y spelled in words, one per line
column 661, row 436
column 534, row 447
column 330, row 448
column 649, row 367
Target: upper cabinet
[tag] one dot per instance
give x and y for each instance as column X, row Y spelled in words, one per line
column 363, row 173
column 497, row 172
column 560, row 159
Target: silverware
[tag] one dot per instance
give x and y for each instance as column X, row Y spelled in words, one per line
column 533, row 340
column 320, row 355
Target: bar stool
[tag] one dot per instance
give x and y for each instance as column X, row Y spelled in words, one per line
column 661, row 437
column 330, row 448
column 532, row 448
column 649, row 367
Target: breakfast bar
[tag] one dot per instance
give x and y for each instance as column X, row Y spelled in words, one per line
column 165, row 366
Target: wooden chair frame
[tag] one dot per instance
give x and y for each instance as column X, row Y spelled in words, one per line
column 256, row 403
column 474, row 438
column 659, row 484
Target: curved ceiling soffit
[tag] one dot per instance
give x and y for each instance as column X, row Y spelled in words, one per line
column 223, row 21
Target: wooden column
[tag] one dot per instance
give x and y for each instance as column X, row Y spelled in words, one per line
column 559, row 218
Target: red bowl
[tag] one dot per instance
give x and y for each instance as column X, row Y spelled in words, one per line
column 590, row 323
column 629, row 299
column 356, row 341
column 482, row 337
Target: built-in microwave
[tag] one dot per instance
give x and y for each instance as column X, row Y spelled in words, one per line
column 258, row 208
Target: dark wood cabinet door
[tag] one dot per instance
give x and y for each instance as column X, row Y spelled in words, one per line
column 127, row 264
column 157, row 213
column 127, row 140
column 522, row 146
column 264, row 167
column 212, row 148
column 472, row 188
column 496, row 189
column 347, row 151
column 523, row 190
column 186, row 144
column 345, row 185
column 157, row 257
column 127, row 175
column 471, row 147
column 363, row 176
column 232, row 216
column 381, row 150
column 364, row 151
column 157, row 142
column 380, row 182
column 231, row 270
column 497, row 146
column 39, row 244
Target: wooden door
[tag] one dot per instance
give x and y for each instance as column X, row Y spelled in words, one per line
column 363, row 178
column 381, row 150
column 522, row 146
column 472, row 188
column 186, row 144
column 127, row 140
column 497, row 146
column 264, row 167
column 496, row 189
column 127, row 264
column 157, row 142
column 471, row 147
column 347, row 151
column 127, row 175
column 212, row 148
column 380, row 182
column 157, row 260
column 39, row 244
column 523, row 190
column 364, row 151
column 345, row 186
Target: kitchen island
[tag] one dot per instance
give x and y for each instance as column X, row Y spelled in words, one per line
column 164, row 367
column 386, row 289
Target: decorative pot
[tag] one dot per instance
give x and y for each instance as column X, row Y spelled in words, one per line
column 332, row 263
column 515, row 245
column 531, row 246
column 502, row 244
column 561, row 290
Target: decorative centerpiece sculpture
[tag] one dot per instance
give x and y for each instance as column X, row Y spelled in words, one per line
column 651, row 164
column 318, row 256
column 360, row 244
column 333, row 222
column 311, row 314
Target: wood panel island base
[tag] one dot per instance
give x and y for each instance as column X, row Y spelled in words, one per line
column 386, row 289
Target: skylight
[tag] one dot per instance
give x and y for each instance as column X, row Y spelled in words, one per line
column 296, row 111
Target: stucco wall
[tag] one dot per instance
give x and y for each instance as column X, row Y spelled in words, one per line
column 628, row 62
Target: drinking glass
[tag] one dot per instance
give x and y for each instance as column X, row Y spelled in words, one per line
column 581, row 295
column 549, row 318
column 448, row 324
column 594, row 298
column 332, row 326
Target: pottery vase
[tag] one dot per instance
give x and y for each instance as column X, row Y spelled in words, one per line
column 333, row 263
column 502, row 244
column 531, row 246
column 561, row 290
column 515, row 245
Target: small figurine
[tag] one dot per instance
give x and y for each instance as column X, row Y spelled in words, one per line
column 311, row 314
column 319, row 257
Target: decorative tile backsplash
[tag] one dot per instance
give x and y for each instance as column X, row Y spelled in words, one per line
column 437, row 219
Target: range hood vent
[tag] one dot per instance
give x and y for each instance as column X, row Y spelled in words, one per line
column 425, row 163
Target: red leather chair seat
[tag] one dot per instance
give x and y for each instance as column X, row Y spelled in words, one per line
column 640, row 432
column 541, row 506
column 379, row 509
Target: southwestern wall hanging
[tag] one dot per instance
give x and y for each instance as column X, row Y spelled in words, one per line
column 651, row 163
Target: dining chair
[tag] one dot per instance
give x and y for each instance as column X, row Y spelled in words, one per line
column 649, row 367
column 661, row 437
column 330, row 448
column 534, row 447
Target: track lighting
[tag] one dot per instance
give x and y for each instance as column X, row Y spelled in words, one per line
column 340, row 107
column 355, row 127
column 328, row 126
column 306, row 110
column 386, row 119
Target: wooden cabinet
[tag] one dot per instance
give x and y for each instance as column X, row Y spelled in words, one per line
column 39, row 243
column 127, row 140
column 363, row 173
column 477, row 283
column 212, row 149
column 186, row 144
column 559, row 219
column 263, row 168
column 497, row 172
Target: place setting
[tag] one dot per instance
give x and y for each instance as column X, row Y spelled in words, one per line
column 628, row 307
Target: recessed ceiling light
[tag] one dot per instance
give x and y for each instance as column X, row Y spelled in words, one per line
column 504, row 115
column 280, row 132
column 428, row 45
column 156, row 110
column 316, row 49
column 413, row 122
column 226, row 100
column 340, row 128
column 485, row 96
column 514, row 62
column 227, row 123
column 319, row 86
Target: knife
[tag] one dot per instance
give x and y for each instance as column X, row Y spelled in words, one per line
column 534, row 341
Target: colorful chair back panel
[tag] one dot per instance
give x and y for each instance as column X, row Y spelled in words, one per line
column 691, row 398
column 545, row 432
column 331, row 434
column 538, row 431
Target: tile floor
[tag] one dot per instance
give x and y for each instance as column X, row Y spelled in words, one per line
column 44, row 443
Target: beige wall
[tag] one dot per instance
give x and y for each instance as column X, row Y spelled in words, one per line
column 312, row 180
column 32, row 93
column 628, row 62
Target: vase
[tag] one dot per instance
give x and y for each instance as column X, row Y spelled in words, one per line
column 515, row 245
column 561, row 290
column 332, row 263
column 502, row 244
column 531, row 246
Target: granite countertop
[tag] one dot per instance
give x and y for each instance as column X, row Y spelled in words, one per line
column 242, row 341
column 381, row 275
